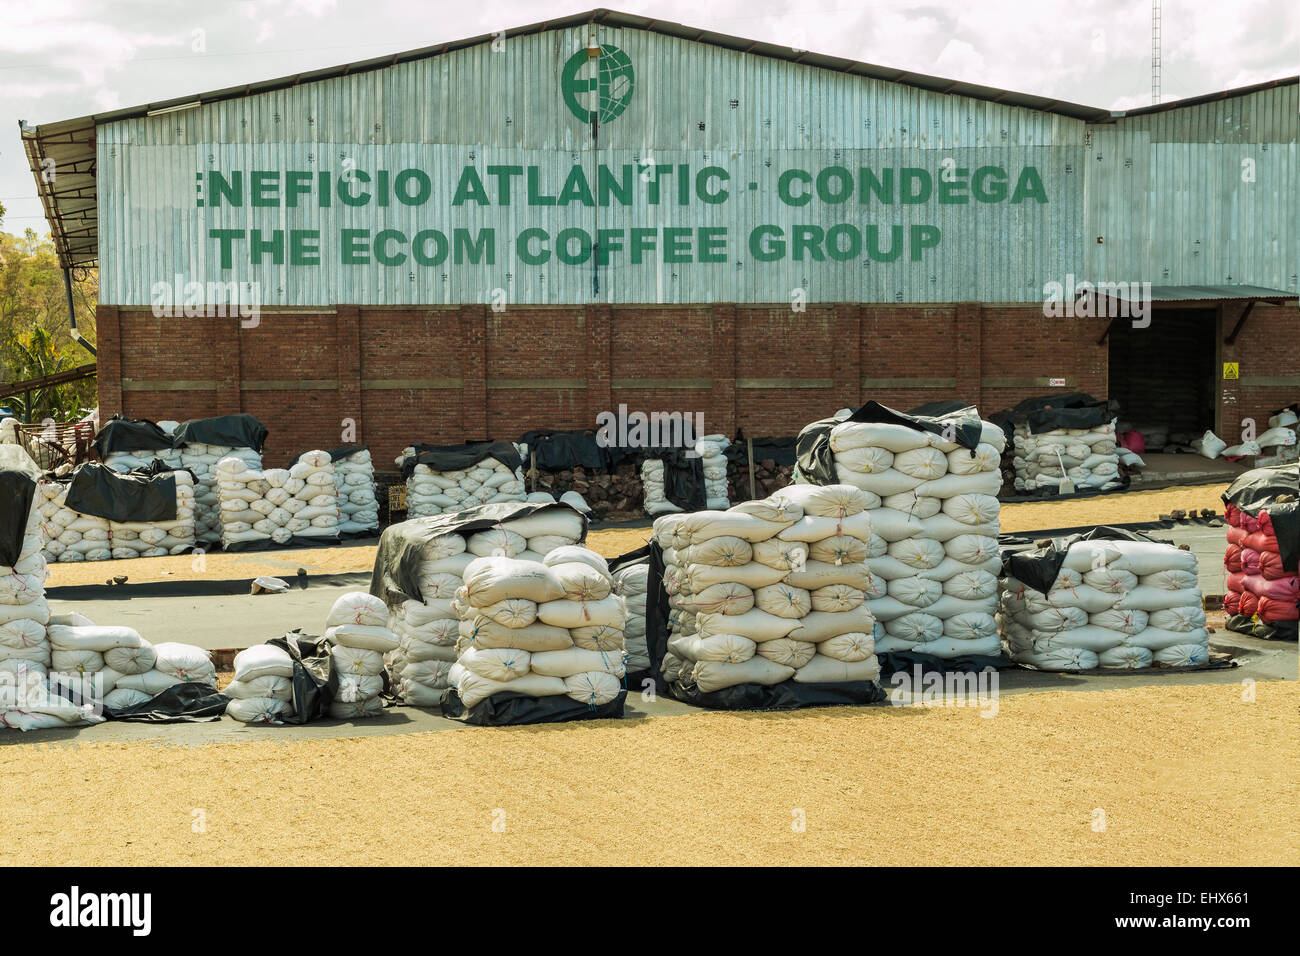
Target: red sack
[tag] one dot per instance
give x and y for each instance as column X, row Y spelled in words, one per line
column 1270, row 566
column 1249, row 603
column 1271, row 611
column 1262, row 541
column 1232, row 558
column 1250, row 560
column 1237, row 535
column 1232, row 602
column 1236, row 581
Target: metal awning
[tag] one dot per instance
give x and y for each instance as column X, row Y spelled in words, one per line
column 1197, row 294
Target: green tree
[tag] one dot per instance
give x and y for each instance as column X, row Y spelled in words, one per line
column 35, row 335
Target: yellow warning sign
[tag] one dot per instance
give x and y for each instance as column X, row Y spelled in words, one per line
column 1230, row 371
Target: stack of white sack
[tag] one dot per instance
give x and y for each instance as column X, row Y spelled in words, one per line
column 631, row 581
column 430, row 492
column 318, row 514
column 70, row 536
column 9, row 432
column 771, row 590
column 87, row 661
column 1121, row 604
column 354, row 483
column 152, row 539
column 934, row 548
column 1086, row 456
column 540, row 629
column 427, row 630
column 262, row 690
column 652, row 484
column 1280, row 444
column 710, row 448
column 357, row 630
column 173, row 663
column 24, row 614
column 35, row 697
column 244, row 504
column 202, row 460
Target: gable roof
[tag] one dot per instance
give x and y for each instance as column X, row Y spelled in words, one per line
column 70, row 201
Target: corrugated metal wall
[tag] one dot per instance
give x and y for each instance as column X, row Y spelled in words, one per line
column 695, row 104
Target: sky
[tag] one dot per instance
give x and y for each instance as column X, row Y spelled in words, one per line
column 65, row 58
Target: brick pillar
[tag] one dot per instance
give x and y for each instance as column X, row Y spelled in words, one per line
column 968, row 351
column 348, row 335
column 599, row 321
column 721, row 417
column 1228, row 407
column 108, row 360
column 229, row 375
column 846, row 362
column 473, row 372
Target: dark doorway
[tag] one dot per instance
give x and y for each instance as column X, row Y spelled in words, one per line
column 1164, row 374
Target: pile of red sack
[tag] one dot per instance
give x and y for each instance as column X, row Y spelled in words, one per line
column 1258, row 585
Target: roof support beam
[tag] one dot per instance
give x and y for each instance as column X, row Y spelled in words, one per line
column 1245, row 314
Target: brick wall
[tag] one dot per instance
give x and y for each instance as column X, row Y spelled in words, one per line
column 448, row 374
column 1267, row 347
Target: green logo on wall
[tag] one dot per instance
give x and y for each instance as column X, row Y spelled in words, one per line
column 612, row 84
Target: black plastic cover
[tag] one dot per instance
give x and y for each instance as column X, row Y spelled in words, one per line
column 135, row 496
column 1277, row 631
column 130, row 434
column 1043, row 413
column 782, row 451
column 396, row 576
column 1038, row 567
column 231, row 431
column 461, row 457
column 315, row 681
column 182, row 703
column 17, row 491
column 683, row 477
column 509, row 709
column 788, row 695
column 1260, row 490
column 556, row 451
column 907, row 661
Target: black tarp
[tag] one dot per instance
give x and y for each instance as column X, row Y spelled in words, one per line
column 335, row 453
column 104, row 493
column 130, row 434
column 781, row 451
column 1038, row 567
column 1277, row 631
column 788, row 695
column 461, row 457
column 1043, row 413
column 813, row 449
column 230, row 431
column 315, row 682
column 1275, row 489
column 182, row 703
column 558, row 451
column 396, row 576
column 683, row 476
column 906, row 662
column 17, row 491
column 508, row 708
